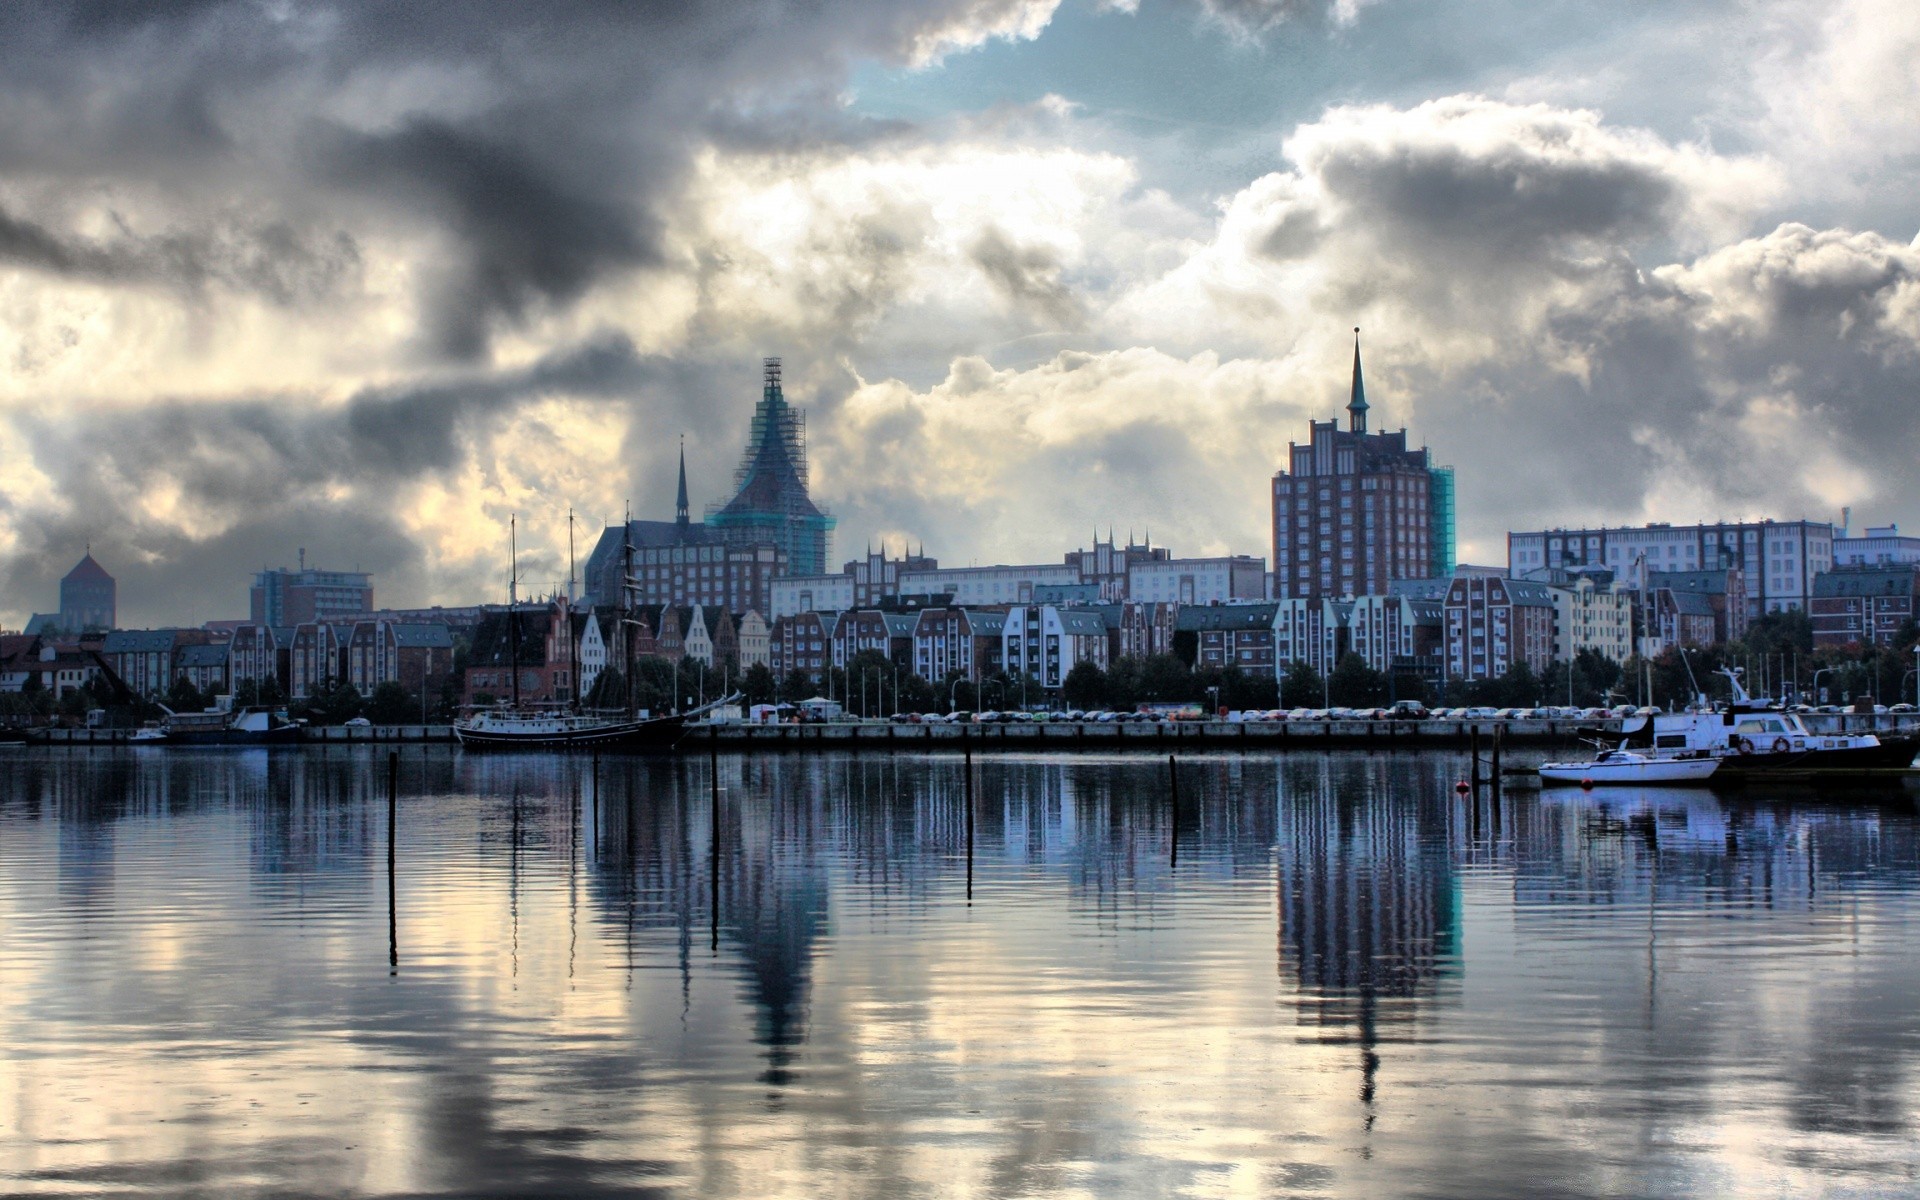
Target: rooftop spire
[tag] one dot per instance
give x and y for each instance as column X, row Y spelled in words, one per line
column 680, row 506
column 1357, row 404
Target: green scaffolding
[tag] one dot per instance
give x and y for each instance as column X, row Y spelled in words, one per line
column 1440, row 509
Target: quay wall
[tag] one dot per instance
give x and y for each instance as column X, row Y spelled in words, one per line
column 1055, row 735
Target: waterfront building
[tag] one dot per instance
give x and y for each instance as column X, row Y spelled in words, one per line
column 146, row 660
column 1139, row 630
column 1397, row 635
column 1864, row 605
column 255, row 653
column 313, row 659
column 1230, row 635
column 966, row 640
column 1593, row 613
column 1307, row 631
column 1493, row 624
column 205, row 667
column 1046, row 642
column 54, row 666
column 1879, row 546
column 770, row 504
column 800, row 642
column 1353, row 511
column 282, row 597
column 415, row 656
column 753, row 632
column 1777, row 559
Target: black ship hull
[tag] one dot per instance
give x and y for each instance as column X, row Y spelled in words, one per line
column 1893, row 753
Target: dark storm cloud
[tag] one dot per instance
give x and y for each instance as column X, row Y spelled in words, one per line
column 262, row 467
column 539, row 141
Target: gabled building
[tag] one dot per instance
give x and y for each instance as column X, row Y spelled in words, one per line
column 753, row 633
column 946, row 640
column 802, row 642
column 205, row 667
column 1494, row 623
column 1231, row 635
column 146, row 660
column 1046, row 642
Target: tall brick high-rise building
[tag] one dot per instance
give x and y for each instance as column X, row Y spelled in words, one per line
column 1354, row 511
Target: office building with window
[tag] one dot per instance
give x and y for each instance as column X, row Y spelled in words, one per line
column 1353, row 511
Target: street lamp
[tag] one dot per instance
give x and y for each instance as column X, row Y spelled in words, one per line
column 1815, row 685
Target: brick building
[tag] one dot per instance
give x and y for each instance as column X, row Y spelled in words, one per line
column 1353, row 511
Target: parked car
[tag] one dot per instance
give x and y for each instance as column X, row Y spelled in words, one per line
column 358, row 723
column 1408, row 710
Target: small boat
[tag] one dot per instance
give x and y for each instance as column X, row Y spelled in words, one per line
column 1623, row 766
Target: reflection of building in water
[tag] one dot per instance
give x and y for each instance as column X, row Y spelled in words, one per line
column 655, row 871
column 1368, row 910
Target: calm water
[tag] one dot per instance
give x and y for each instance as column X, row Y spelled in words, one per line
column 1352, row 982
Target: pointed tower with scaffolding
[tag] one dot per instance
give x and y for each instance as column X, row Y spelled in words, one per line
column 770, row 502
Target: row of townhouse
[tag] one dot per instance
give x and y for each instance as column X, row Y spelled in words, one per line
column 1045, row 641
column 301, row 659
column 550, row 671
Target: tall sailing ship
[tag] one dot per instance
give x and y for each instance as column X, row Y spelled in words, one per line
column 562, row 725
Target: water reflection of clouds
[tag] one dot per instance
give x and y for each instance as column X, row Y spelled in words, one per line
column 1096, row 1021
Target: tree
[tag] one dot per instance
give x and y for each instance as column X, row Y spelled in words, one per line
column 1165, row 678
column 609, row 689
column 183, row 697
column 1354, row 684
column 1085, row 686
column 1303, row 686
column 391, row 705
column 757, row 684
column 917, row 695
column 796, row 685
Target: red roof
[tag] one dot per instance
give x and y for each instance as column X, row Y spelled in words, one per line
column 89, row 570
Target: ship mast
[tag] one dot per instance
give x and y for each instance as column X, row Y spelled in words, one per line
column 573, row 664
column 513, row 607
column 627, row 625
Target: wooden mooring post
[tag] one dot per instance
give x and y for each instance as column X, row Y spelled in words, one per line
column 393, row 837
column 1173, row 789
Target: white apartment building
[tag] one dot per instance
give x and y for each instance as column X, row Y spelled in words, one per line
column 1197, row 580
column 1306, row 631
column 1880, row 546
column 1778, row 558
column 1047, row 642
column 794, row 594
column 1589, row 617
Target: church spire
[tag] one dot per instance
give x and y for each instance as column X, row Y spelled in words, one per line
column 1357, row 405
column 680, row 517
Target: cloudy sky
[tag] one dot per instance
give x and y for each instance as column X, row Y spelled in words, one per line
column 368, row 278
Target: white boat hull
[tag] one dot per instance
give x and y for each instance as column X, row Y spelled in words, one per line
column 1631, row 771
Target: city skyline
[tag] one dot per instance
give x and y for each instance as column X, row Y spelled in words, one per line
column 360, row 287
